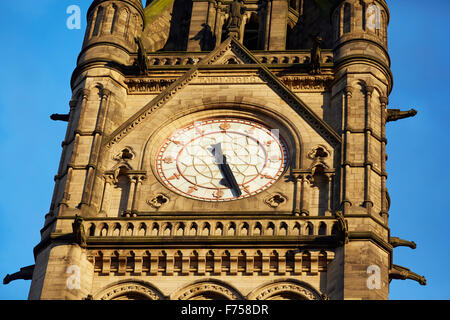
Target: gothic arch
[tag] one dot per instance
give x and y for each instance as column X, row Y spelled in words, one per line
column 285, row 289
column 129, row 290
column 208, row 289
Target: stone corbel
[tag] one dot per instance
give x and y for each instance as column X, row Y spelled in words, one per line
column 401, row 273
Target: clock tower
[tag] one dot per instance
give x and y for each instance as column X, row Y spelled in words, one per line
column 225, row 150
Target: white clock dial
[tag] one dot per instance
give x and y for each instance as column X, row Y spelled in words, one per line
column 222, row 159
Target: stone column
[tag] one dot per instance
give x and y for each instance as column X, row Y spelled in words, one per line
column 305, row 195
column 345, row 202
column 105, row 203
column 368, row 204
column 384, row 206
column 96, row 144
column 133, row 182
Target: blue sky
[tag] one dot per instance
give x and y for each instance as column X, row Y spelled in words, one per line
column 39, row 54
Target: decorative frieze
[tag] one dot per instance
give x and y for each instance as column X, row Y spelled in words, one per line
column 219, row 262
column 308, row 83
column 145, row 86
column 228, row 79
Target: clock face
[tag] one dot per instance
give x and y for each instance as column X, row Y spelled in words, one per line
column 222, row 159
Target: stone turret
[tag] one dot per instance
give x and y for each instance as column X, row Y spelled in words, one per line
column 113, row 27
column 363, row 82
column 360, row 28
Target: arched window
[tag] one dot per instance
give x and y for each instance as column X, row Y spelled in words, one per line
column 322, row 229
column 347, row 17
column 130, row 229
column 92, row 230
column 98, row 21
column 219, row 229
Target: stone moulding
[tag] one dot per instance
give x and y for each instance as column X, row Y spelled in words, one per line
column 145, row 86
column 208, row 287
column 308, row 83
column 278, row 288
column 125, row 288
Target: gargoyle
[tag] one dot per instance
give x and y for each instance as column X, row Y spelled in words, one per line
column 25, row 273
column 141, row 61
column 59, row 117
column 397, row 114
column 79, row 235
column 402, row 273
column 397, row 242
column 316, row 55
column 343, row 228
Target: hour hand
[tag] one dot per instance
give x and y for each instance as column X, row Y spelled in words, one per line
column 225, row 169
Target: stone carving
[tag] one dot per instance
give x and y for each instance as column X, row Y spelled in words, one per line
column 198, row 289
column 402, row 273
column 316, row 55
column 236, row 11
column 342, row 227
column 79, row 234
column 276, row 200
column 125, row 155
column 285, row 287
column 307, row 83
column 143, row 86
column 141, row 61
column 59, row 117
column 125, row 288
column 227, row 79
column 397, row 242
column 25, row 273
column 158, row 201
column 318, row 152
column 396, row 114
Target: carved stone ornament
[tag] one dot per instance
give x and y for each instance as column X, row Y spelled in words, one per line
column 125, row 155
column 129, row 288
column 318, row 152
column 158, row 200
column 284, row 287
column 276, row 200
column 207, row 288
column 308, row 83
column 144, row 86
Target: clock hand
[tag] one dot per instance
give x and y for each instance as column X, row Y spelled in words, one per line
column 225, row 169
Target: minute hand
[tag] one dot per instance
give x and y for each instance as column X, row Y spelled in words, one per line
column 224, row 167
